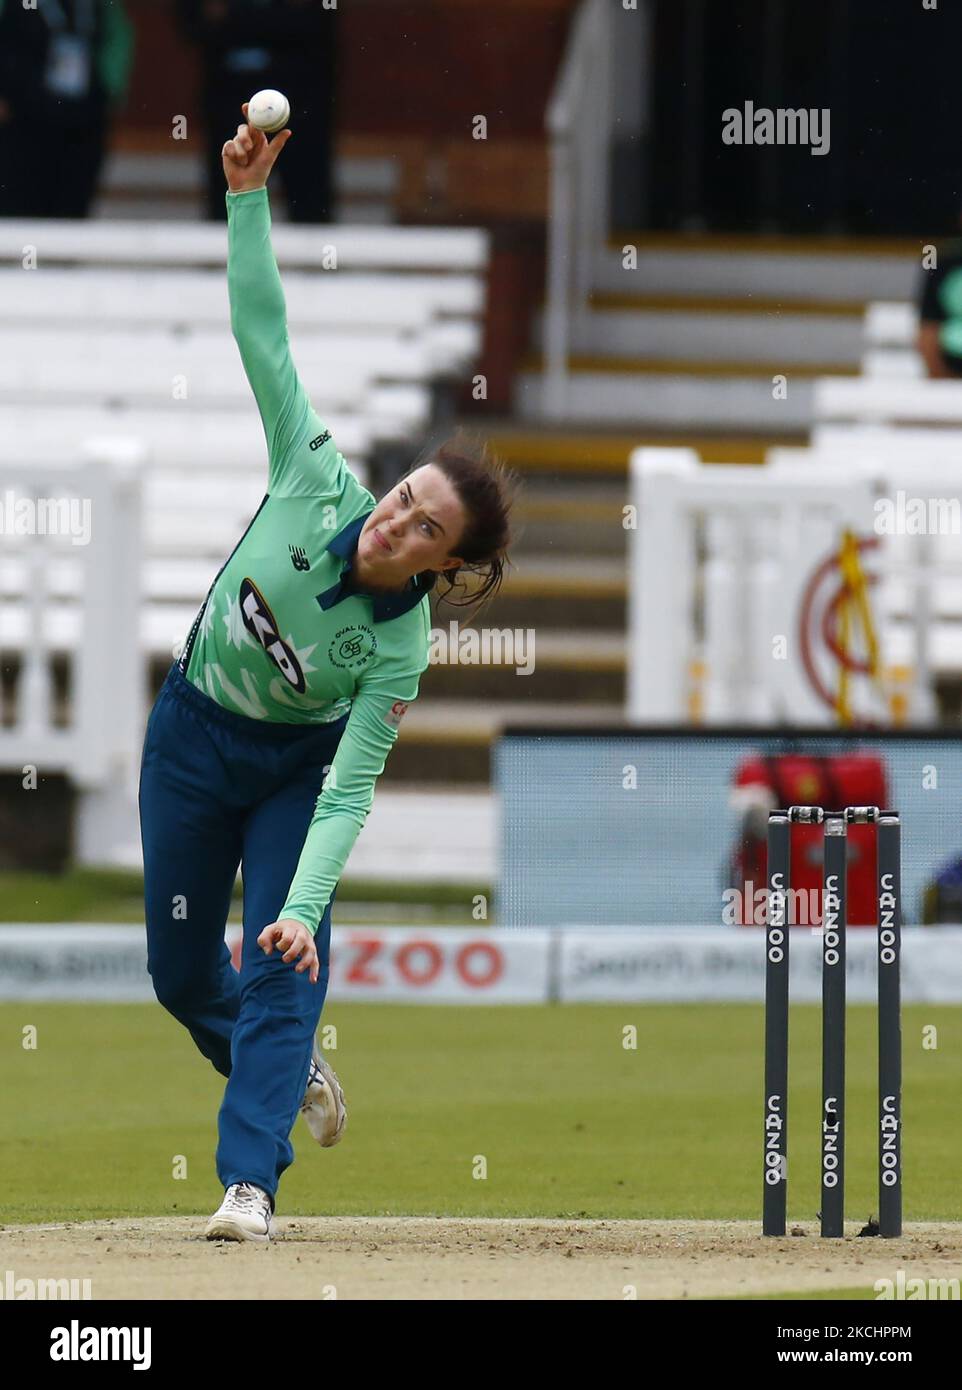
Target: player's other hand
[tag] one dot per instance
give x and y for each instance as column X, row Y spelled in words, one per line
column 250, row 156
column 294, row 942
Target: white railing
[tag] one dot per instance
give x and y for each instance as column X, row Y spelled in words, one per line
column 578, row 123
column 890, row 333
column 721, row 562
column 97, row 499
column 891, row 324
column 898, row 403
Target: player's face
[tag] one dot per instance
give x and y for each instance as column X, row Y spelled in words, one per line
column 415, row 527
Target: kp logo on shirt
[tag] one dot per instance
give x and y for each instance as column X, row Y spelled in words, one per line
column 260, row 622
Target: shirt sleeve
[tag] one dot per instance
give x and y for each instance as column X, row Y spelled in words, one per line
column 303, row 459
column 116, row 56
column 343, row 805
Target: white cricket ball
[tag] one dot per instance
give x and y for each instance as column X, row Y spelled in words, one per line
column 268, row 110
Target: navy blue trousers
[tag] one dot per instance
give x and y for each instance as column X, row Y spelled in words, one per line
column 218, row 789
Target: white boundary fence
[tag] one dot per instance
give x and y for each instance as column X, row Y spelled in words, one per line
column 717, row 568
column 98, row 630
column 452, row 965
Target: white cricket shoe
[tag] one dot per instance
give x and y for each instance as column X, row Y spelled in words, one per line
column 244, row 1214
column 323, row 1105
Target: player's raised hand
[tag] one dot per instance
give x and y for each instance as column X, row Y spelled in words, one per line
column 294, row 941
column 249, row 157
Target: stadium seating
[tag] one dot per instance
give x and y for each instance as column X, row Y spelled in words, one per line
column 690, row 333
column 439, row 311
column 437, row 250
column 890, row 330
column 124, row 349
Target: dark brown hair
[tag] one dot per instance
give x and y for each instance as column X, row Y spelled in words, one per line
column 487, row 489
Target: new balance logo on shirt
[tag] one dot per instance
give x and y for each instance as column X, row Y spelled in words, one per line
column 301, row 562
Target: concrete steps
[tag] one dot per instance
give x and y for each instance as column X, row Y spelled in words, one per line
column 688, row 397
column 838, row 269
column 714, row 330
column 566, row 665
column 452, row 740
column 163, row 186
column 691, row 332
column 564, row 591
column 560, row 466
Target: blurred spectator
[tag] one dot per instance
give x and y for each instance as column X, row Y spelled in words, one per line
column 246, row 45
column 64, row 67
column 940, row 314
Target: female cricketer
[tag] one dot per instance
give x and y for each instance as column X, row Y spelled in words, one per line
column 272, row 727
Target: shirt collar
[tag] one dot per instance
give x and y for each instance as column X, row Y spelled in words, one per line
column 384, row 605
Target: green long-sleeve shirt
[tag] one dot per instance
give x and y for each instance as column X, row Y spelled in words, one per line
column 284, row 634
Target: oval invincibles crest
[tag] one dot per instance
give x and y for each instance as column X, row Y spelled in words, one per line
column 352, row 648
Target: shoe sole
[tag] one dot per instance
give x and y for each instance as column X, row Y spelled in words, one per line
column 335, row 1088
column 223, row 1228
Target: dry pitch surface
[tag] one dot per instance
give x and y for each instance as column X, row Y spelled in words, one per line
column 444, row 1258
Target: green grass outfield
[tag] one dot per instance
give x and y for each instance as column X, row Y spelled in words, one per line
column 117, row 895
column 808, row 1296
column 570, row 1123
